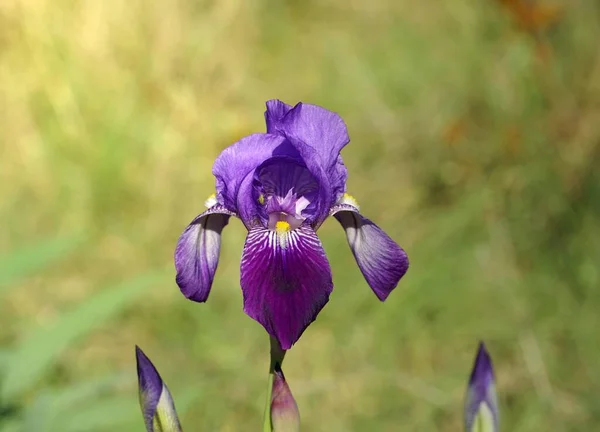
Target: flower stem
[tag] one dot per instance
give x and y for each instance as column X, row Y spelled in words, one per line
column 277, row 355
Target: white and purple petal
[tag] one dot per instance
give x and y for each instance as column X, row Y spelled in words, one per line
column 286, row 280
column 197, row 252
column 380, row 259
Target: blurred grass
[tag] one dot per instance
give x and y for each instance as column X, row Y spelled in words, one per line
column 475, row 141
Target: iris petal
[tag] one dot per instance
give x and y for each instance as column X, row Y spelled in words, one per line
column 286, row 280
column 319, row 135
column 197, row 253
column 238, row 160
column 276, row 109
column 278, row 175
column 381, row 261
column 323, row 130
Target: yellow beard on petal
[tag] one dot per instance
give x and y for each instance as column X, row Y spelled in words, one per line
column 211, row 201
column 348, row 199
column 282, row 228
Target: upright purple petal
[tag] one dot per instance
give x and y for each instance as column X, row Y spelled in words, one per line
column 156, row 402
column 481, row 404
column 238, row 160
column 279, row 177
column 381, row 261
column 197, row 253
column 276, row 110
column 286, row 280
column 325, row 196
column 337, row 179
column 323, row 130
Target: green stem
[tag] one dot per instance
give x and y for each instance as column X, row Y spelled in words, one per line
column 267, row 416
column 277, row 355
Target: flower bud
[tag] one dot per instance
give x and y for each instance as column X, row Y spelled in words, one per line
column 481, row 404
column 285, row 416
column 155, row 399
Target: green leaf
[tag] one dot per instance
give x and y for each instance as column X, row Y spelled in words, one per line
column 29, row 259
column 267, row 413
column 36, row 353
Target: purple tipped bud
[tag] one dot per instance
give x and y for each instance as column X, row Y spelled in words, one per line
column 155, row 399
column 481, row 404
column 285, row 416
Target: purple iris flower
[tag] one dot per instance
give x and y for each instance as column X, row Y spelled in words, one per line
column 283, row 185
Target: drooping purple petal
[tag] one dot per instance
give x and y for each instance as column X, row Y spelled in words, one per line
column 238, row 160
column 381, row 261
column 156, row 402
column 481, row 402
column 285, row 279
column 197, row 252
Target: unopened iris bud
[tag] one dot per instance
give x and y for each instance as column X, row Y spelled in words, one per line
column 285, row 416
column 481, row 404
column 155, row 399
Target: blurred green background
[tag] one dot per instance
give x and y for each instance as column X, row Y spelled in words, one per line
column 475, row 131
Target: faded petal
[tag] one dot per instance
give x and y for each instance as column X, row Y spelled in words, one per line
column 197, row 252
column 156, row 402
column 285, row 416
column 481, row 404
column 381, row 261
column 286, row 280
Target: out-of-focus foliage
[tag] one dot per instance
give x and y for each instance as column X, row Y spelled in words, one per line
column 77, row 406
column 475, row 132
